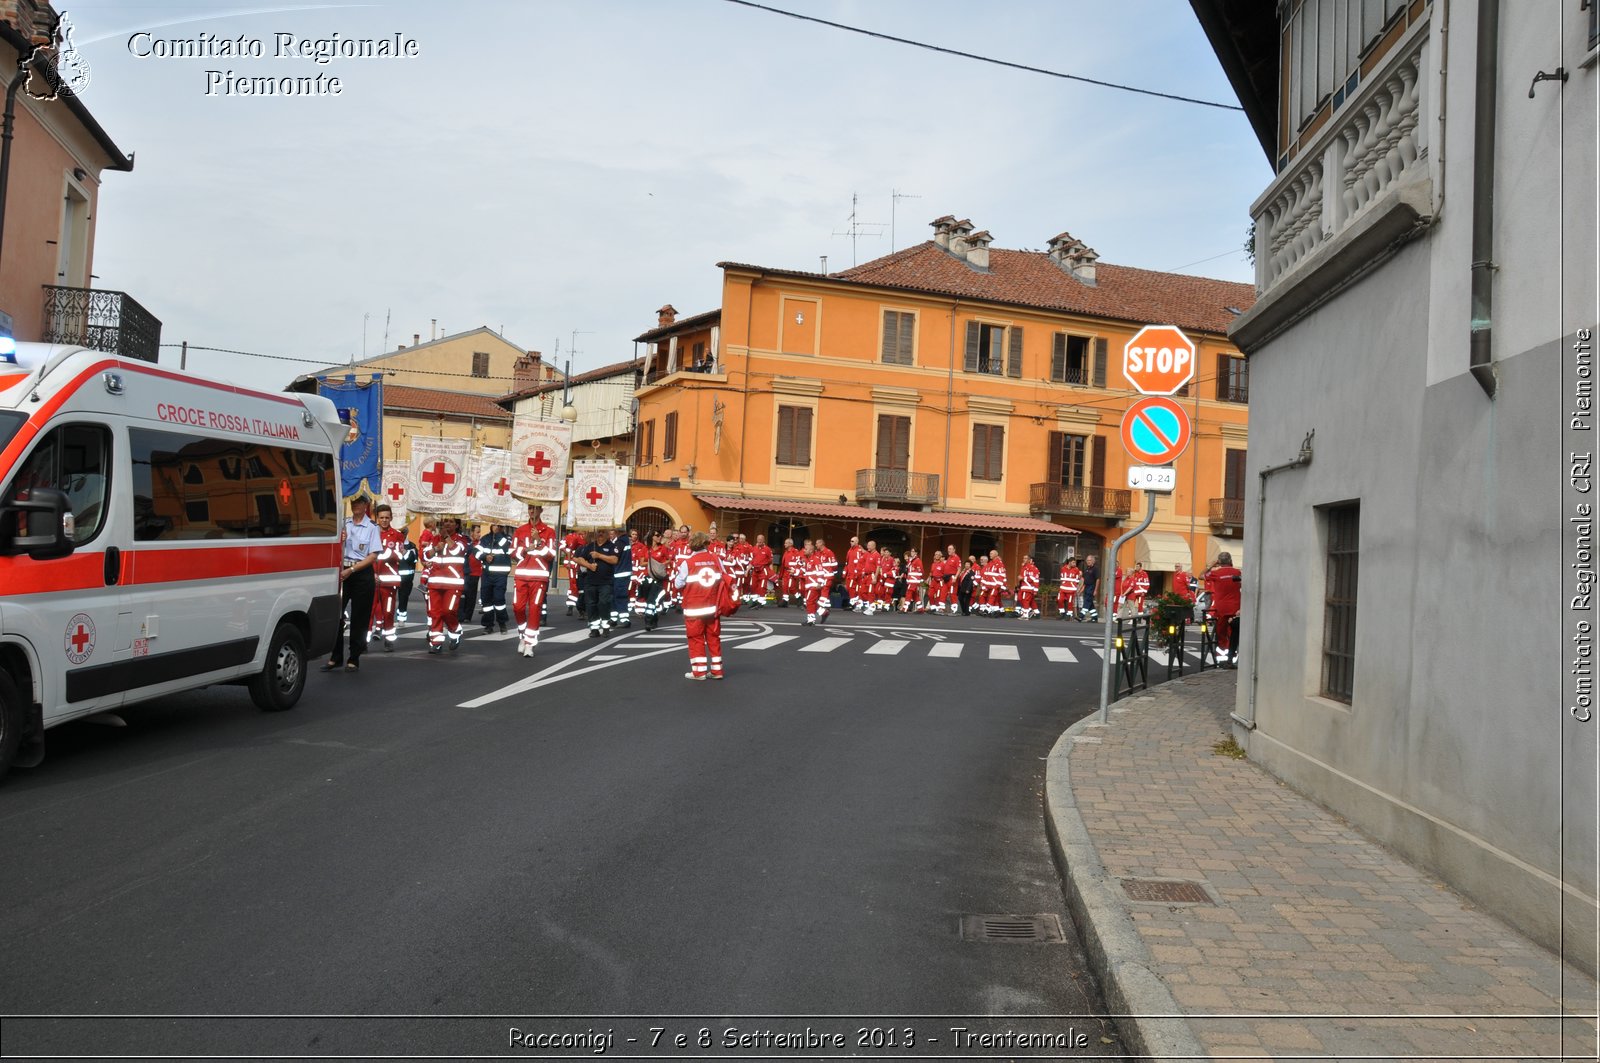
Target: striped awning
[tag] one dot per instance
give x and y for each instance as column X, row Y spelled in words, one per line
column 794, row 507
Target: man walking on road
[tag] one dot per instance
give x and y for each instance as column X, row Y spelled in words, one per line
column 362, row 541
column 1091, row 590
column 703, row 581
column 1223, row 582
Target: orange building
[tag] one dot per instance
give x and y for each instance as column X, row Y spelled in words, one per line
column 947, row 394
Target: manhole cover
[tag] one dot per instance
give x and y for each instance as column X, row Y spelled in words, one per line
column 1165, row 891
column 1029, row 928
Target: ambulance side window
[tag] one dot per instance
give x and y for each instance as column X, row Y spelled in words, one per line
column 76, row 459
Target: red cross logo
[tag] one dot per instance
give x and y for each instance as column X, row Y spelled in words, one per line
column 285, row 492
column 594, row 496
column 395, row 492
column 80, row 639
column 539, row 463
column 501, row 486
column 438, row 478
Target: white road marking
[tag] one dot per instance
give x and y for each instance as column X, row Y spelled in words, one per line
column 1002, row 652
column 767, row 643
column 571, row 636
column 946, row 649
column 608, row 656
column 888, row 646
column 1059, row 653
column 824, row 646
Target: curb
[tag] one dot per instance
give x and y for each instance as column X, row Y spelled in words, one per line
column 1148, row 1018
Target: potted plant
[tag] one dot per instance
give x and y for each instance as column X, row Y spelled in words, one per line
column 1168, row 615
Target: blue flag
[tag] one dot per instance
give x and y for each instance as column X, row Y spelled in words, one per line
column 360, row 407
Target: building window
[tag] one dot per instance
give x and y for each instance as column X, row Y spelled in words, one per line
column 1339, row 615
column 1326, row 44
column 899, row 329
column 894, row 442
column 647, row 442
column 794, row 435
column 1233, row 379
column 1233, row 474
column 988, row 452
column 1594, row 24
column 1070, row 362
column 1069, row 459
column 669, row 437
column 995, row 349
column 480, row 363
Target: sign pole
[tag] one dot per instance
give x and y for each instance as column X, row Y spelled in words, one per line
column 1107, row 580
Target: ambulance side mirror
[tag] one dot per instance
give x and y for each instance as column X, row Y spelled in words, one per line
column 40, row 526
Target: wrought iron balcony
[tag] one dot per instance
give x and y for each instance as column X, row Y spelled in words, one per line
column 897, row 485
column 1059, row 500
column 1227, row 516
column 101, row 320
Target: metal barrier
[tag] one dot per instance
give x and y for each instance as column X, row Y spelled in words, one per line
column 1133, row 655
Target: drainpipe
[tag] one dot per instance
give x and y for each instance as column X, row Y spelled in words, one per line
column 1483, row 138
column 5, row 141
column 1248, row 721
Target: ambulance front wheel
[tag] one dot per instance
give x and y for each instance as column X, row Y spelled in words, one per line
column 283, row 677
column 13, row 717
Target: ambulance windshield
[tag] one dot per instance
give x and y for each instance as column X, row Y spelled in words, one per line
column 10, row 421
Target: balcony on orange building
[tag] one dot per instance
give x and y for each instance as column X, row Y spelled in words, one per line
column 897, row 485
column 1227, row 516
column 1059, row 500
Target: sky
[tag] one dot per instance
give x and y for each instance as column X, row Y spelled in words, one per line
column 558, row 170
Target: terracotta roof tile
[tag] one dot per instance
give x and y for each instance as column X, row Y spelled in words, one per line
column 683, row 324
column 430, row 400
column 799, row 508
column 614, row 369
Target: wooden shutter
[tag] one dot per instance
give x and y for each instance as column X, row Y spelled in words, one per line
column 1100, row 363
column 1014, row 355
column 980, row 450
column 669, row 438
column 997, row 442
column 907, row 336
column 885, row 442
column 1222, row 377
column 972, row 346
column 891, row 336
column 1058, row 358
column 1058, row 442
column 1233, row 474
column 894, row 442
column 802, row 435
column 1097, row 464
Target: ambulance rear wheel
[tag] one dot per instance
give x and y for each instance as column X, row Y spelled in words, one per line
column 13, row 717
column 283, row 677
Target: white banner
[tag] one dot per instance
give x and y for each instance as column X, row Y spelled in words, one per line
column 596, row 502
column 439, row 475
column 620, row 494
column 496, row 503
column 396, row 490
column 539, row 451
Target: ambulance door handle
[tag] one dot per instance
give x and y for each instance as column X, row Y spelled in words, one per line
column 113, row 566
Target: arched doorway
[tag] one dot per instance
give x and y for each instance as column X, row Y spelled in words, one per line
column 649, row 520
column 895, row 539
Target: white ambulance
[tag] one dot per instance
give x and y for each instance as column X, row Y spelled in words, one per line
column 158, row 532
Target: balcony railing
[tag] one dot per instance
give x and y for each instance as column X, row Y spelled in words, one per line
column 897, row 485
column 101, row 320
column 1056, row 499
column 1372, row 142
column 1227, row 515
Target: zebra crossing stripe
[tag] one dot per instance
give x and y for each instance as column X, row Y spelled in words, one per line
column 945, row 649
column 888, row 647
column 824, row 645
column 571, row 636
column 766, row 643
column 1060, row 654
column 1003, row 652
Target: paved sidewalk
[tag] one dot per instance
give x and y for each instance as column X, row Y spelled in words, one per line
column 1317, row 943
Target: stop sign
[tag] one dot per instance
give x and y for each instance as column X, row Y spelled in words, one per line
column 1159, row 359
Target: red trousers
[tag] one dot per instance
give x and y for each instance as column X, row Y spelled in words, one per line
column 790, row 587
column 817, row 601
column 758, row 582
column 1067, row 601
column 1224, row 629
column 705, row 644
column 383, row 600
column 444, row 617
column 527, row 606
column 1027, row 599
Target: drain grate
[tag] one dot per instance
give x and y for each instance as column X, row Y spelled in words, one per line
column 1165, row 891
column 1003, row 928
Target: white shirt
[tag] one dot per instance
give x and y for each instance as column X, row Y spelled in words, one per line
column 360, row 541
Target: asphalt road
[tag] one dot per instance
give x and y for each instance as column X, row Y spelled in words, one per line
column 584, row 834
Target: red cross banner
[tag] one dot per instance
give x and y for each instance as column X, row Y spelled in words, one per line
column 596, row 502
column 438, row 475
column 539, row 451
column 396, row 490
column 493, row 496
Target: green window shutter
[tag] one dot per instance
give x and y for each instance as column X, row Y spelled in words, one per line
column 1058, row 358
column 972, row 346
column 1014, row 355
column 1100, row 363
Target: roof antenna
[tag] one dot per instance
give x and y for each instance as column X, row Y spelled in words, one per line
column 858, row 228
column 895, row 196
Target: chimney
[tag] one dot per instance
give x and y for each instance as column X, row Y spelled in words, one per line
column 433, row 329
column 960, row 231
column 527, row 371
column 666, row 315
column 1073, row 257
column 941, row 229
column 416, row 338
column 978, row 249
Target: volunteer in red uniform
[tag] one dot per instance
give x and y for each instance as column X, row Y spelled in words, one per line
column 680, row 553
column 1223, row 583
column 852, row 572
column 430, row 532
column 1070, row 590
column 569, row 550
column 639, row 562
column 391, row 546
column 702, row 581
column 657, row 586
column 913, row 599
column 445, row 558
column 1028, row 590
column 994, row 582
column 533, row 560
column 760, row 572
column 793, row 562
column 1182, row 583
column 936, row 582
column 1138, row 586
column 739, row 554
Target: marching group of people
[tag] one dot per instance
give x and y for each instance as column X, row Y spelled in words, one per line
column 615, row 575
